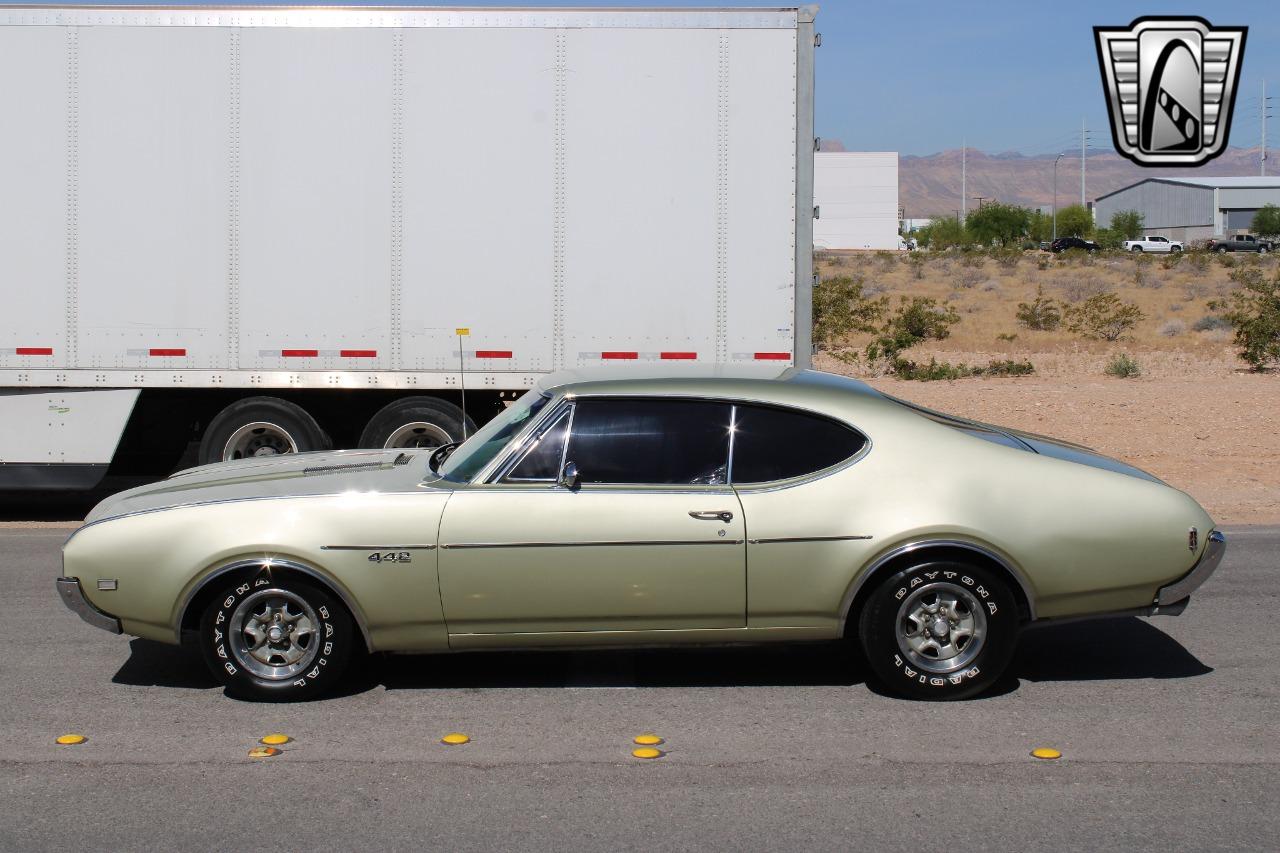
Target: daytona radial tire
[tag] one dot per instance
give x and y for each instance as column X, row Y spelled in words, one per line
column 889, row 624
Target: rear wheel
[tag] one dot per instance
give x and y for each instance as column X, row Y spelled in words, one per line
column 260, row 426
column 1222, row 250
column 276, row 639
column 939, row 630
column 1137, row 249
column 415, row 422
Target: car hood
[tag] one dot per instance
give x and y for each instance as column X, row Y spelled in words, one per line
column 290, row 475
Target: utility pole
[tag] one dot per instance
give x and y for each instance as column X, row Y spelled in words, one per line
column 1084, row 137
column 964, row 176
column 1055, row 195
column 980, row 199
column 1264, row 128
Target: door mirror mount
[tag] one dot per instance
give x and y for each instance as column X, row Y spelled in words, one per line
column 569, row 476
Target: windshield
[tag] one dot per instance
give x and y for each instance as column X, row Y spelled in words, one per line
column 479, row 450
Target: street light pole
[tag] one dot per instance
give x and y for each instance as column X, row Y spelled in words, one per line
column 1055, row 196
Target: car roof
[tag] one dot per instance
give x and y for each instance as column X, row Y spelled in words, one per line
column 783, row 385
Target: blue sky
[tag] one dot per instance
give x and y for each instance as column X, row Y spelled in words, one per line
column 1002, row 76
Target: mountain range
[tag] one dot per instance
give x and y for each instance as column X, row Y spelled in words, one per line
column 930, row 185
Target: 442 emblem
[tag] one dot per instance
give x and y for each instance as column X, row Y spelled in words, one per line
column 391, row 557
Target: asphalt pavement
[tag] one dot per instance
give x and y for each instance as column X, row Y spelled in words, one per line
column 1169, row 730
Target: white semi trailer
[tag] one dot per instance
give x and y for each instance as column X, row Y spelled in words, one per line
column 260, row 230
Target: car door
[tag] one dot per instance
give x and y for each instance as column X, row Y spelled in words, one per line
column 649, row 538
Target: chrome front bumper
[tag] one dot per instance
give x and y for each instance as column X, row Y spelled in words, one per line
column 1182, row 588
column 73, row 596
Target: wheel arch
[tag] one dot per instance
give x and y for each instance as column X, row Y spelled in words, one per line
column 913, row 552
column 202, row 592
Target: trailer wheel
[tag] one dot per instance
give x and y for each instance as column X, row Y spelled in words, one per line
column 415, row 422
column 260, row 426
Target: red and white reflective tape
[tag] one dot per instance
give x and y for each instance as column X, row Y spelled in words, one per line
column 762, row 356
column 159, row 352
column 317, row 353
column 484, row 353
column 27, row 351
column 633, row 355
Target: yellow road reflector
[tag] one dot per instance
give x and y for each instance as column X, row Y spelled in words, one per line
column 1046, row 752
column 455, row 738
column 647, row 740
column 646, row 752
column 275, row 740
column 263, row 752
column 68, row 740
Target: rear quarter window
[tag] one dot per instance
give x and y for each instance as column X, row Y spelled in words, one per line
column 778, row 444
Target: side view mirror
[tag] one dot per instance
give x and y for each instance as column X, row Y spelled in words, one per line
column 569, row 476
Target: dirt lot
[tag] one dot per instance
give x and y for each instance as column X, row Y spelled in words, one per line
column 1195, row 417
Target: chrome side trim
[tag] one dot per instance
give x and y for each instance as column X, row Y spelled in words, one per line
column 608, row 543
column 911, row 547
column 377, row 547
column 782, row 539
column 1214, row 548
column 73, row 596
column 328, row 582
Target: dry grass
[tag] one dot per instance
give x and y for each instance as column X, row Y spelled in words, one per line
column 987, row 293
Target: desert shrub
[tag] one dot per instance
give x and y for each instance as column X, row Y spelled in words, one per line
column 1007, row 336
column 1173, row 328
column 874, row 288
column 1041, row 315
column 973, row 260
column 966, row 278
column 1103, row 317
column 935, row 370
column 916, row 261
column 1253, row 310
column 1197, row 262
column 1044, row 262
column 1226, row 260
column 841, row 308
column 1175, row 306
column 991, row 286
column 1210, row 322
column 886, row 260
column 1194, row 291
column 1122, row 366
column 1142, row 270
column 1007, row 258
column 1171, row 260
column 917, row 319
column 1077, row 288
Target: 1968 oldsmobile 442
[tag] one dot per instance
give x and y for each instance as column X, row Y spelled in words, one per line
column 712, row 507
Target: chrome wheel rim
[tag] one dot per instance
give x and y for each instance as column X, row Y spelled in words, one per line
column 417, row 434
column 260, row 438
column 941, row 627
column 274, row 634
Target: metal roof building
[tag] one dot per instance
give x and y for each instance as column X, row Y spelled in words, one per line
column 856, row 193
column 1192, row 208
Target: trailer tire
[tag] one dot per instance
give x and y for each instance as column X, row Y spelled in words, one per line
column 261, row 426
column 415, row 422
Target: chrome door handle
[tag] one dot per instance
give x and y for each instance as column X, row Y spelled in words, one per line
column 712, row 515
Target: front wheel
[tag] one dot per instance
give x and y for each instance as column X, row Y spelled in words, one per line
column 939, row 631
column 276, row 639
column 1262, row 250
column 1137, row 249
column 1175, row 249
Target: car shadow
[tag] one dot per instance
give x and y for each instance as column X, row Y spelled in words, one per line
column 1102, row 649
column 1127, row 648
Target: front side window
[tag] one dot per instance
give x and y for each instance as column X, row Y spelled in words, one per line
column 541, row 462
column 663, row 442
column 778, row 444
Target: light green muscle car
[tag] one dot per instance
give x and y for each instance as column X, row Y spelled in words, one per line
column 716, row 507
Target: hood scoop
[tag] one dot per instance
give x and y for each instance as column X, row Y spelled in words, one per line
column 402, row 459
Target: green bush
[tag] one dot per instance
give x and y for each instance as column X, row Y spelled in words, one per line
column 917, row 319
column 1042, row 315
column 1209, row 323
column 1103, row 316
column 935, row 370
column 1122, row 366
column 1253, row 310
column 841, row 308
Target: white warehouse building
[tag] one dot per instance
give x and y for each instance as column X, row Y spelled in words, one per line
column 1192, row 208
column 856, row 193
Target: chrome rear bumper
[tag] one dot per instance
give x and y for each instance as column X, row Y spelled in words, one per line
column 1190, row 582
column 73, row 596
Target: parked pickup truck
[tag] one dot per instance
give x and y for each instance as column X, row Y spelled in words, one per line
column 1242, row 243
column 1153, row 244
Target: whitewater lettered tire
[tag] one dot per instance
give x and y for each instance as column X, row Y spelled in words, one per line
column 939, row 631
column 278, row 639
